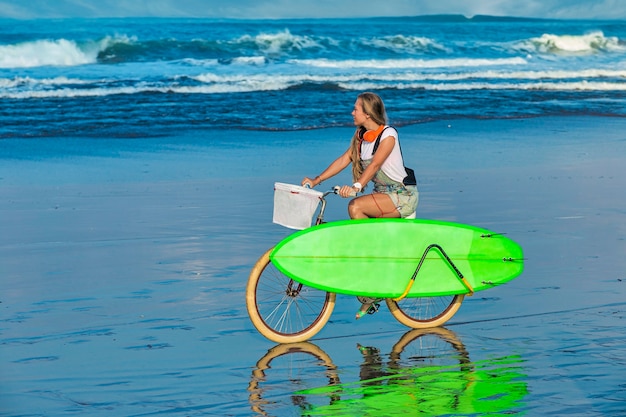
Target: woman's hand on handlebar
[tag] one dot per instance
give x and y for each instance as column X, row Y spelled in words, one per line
column 308, row 182
column 346, row 191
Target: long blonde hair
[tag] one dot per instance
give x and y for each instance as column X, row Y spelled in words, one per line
column 374, row 107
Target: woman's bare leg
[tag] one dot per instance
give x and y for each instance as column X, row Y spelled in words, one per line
column 372, row 205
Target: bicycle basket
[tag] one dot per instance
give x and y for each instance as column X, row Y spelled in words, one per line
column 294, row 206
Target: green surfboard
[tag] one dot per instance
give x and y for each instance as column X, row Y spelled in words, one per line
column 379, row 257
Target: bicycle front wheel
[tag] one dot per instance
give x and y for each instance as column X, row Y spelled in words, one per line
column 282, row 309
column 425, row 312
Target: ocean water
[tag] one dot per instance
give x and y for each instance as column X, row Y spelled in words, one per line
column 151, row 77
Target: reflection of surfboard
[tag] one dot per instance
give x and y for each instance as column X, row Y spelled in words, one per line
column 378, row 257
column 495, row 386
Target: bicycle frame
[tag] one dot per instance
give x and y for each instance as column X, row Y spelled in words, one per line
column 320, row 215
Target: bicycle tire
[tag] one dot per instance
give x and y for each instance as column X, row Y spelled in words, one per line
column 425, row 312
column 283, row 310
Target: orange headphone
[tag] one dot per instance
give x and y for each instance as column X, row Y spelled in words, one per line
column 370, row 135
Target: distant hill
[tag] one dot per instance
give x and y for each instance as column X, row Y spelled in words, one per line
column 444, row 18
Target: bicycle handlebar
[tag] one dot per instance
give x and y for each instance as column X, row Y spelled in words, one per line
column 336, row 189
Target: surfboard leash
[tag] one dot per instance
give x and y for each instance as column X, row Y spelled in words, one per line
column 447, row 258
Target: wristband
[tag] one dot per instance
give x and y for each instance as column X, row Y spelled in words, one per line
column 358, row 186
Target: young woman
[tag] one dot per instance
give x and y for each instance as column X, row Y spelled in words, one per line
column 375, row 156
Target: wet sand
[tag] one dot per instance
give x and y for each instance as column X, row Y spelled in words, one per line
column 124, row 264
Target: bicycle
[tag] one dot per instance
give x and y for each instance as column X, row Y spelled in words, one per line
column 286, row 311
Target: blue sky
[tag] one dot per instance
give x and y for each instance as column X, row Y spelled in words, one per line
column 565, row 9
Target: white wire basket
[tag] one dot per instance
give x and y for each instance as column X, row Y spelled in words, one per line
column 294, row 206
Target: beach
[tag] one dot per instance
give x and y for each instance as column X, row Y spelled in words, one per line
column 124, row 264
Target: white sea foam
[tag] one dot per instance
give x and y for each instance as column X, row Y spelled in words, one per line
column 59, row 52
column 408, row 63
column 253, row 84
column 39, row 53
column 29, row 82
column 250, row 60
column 260, row 78
column 589, row 43
column 194, row 62
column 265, row 78
column 538, row 86
column 403, row 44
column 278, row 42
column 411, row 76
column 587, row 74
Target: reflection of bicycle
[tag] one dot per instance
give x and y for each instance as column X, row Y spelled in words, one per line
column 290, row 369
column 429, row 372
column 297, row 367
column 286, row 311
column 434, row 349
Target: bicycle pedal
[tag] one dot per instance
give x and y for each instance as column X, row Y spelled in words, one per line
column 367, row 308
column 373, row 308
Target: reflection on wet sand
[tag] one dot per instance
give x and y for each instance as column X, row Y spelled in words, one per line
column 289, row 365
column 428, row 371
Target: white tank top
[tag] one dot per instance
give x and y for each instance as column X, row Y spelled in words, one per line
column 393, row 166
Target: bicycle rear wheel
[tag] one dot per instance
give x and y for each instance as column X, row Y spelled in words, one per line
column 283, row 310
column 425, row 312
